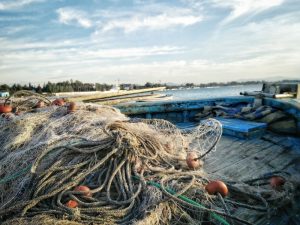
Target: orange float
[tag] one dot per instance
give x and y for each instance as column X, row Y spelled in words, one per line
column 72, row 107
column 192, row 160
column 84, row 189
column 5, row 108
column 40, row 104
column 215, row 187
column 58, row 102
column 276, row 182
column 72, row 204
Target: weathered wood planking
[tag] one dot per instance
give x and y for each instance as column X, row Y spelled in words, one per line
column 251, row 157
column 237, row 159
column 235, row 155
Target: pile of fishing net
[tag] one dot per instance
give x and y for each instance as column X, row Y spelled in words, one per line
column 96, row 166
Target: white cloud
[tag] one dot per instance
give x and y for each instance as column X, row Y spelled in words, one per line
column 195, row 4
column 10, row 45
column 151, row 22
column 16, row 29
column 73, row 16
column 180, row 71
column 147, row 16
column 267, row 37
column 245, row 7
column 132, row 52
column 13, row 4
column 72, row 51
column 263, row 48
column 93, row 66
column 257, row 50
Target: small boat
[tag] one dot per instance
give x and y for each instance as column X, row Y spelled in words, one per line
column 157, row 98
column 261, row 142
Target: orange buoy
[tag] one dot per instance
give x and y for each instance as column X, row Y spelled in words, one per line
column 192, row 160
column 215, row 187
column 40, row 104
column 276, row 182
column 72, row 107
column 58, row 102
column 5, row 108
column 84, row 189
column 72, row 204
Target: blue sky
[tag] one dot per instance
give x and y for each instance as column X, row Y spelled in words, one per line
column 136, row 41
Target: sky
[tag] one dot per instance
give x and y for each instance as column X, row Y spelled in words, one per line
column 138, row 41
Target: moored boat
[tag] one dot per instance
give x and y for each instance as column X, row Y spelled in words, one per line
column 261, row 140
column 61, row 160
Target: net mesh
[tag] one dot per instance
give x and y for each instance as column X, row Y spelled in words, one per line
column 135, row 169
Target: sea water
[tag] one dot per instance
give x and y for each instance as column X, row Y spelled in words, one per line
column 211, row 92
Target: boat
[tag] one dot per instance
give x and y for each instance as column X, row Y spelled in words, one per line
column 249, row 150
column 246, row 173
column 158, row 97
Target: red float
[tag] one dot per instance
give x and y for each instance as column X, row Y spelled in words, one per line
column 84, row 189
column 215, row 187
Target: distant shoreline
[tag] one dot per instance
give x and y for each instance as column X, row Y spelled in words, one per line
column 226, row 84
column 78, row 86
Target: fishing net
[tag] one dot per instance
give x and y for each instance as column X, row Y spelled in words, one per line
column 23, row 137
column 133, row 171
column 26, row 100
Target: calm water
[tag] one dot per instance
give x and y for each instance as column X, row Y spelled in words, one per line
column 211, row 92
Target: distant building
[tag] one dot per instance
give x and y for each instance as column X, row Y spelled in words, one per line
column 126, row 87
column 115, row 87
column 4, row 94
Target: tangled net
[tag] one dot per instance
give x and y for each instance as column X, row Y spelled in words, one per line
column 135, row 169
column 26, row 100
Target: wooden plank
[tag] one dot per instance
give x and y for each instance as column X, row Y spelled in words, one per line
column 278, row 140
column 238, row 154
column 246, row 159
column 283, row 160
column 245, row 165
column 242, row 128
column 254, row 168
column 294, row 163
column 241, row 125
column 222, row 156
column 222, row 151
column 272, row 153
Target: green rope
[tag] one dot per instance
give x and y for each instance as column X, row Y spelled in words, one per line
column 188, row 200
column 15, row 175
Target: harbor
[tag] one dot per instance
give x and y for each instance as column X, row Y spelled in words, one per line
column 174, row 112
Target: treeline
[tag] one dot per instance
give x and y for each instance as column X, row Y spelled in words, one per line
column 76, row 86
column 231, row 83
column 65, row 86
column 72, row 86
